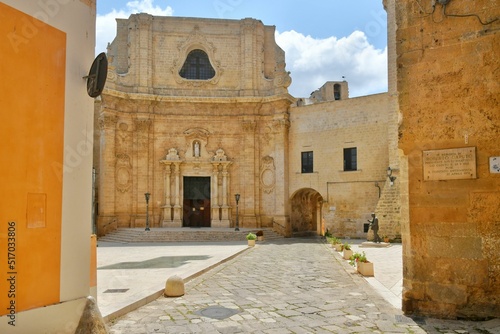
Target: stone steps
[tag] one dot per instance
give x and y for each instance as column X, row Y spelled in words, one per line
column 131, row 235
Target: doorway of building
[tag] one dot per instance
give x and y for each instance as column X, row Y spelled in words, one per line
column 306, row 215
column 196, row 202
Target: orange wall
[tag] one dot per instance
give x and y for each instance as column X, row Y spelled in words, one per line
column 32, row 65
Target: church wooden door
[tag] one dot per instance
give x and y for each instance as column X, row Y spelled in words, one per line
column 196, row 202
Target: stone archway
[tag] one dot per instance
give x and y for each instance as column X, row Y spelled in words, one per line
column 305, row 218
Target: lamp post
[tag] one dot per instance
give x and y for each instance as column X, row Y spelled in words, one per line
column 237, row 198
column 147, row 210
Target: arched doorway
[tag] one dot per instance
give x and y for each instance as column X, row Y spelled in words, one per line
column 306, row 216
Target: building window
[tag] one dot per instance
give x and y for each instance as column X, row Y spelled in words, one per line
column 197, row 66
column 350, row 159
column 307, row 162
column 336, row 92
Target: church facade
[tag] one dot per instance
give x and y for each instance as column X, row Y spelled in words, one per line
column 196, row 111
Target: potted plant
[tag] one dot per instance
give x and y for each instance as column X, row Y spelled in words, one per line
column 336, row 243
column 385, row 237
column 251, row 237
column 363, row 266
column 260, row 235
column 347, row 251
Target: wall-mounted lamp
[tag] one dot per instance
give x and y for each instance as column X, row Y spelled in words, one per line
column 389, row 175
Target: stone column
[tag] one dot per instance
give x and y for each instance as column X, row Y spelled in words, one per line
column 177, row 206
column 215, row 195
column 225, row 222
column 106, row 220
column 167, row 208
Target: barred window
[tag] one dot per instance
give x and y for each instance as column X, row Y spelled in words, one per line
column 197, row 66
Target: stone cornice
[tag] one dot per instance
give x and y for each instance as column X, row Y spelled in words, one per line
column 198, row 99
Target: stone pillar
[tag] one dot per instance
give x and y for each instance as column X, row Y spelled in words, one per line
column 177, row 206
column 281, row 125
column 225, row 221
column 142, row 127
column 106, row 220
column 215, row 195
column 250, row 185
column 167, row 208
column 144, row 60
column 248, row 56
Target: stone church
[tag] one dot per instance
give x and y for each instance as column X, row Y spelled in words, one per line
column 196, row 111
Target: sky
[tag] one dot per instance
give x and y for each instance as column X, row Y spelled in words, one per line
column 323, row 40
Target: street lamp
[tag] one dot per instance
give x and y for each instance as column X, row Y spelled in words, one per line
column 237, row 198
column 147, row 210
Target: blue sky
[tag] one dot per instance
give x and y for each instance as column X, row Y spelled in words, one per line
column 323, row 40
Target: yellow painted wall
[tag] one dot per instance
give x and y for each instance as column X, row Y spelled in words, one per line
column 32, row 65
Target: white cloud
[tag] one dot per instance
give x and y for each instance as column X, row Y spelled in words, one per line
column 106, row 24
column 312, row 62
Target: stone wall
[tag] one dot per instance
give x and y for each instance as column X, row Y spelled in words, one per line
column 348, row 197
column 449, row 92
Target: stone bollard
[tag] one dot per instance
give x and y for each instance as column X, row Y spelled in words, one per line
column 174, row 287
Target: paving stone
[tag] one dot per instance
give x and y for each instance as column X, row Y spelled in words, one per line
column 292, row 288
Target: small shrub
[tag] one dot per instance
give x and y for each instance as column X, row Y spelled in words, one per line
column 251, row 236
column 335, row 241
column 357, row 257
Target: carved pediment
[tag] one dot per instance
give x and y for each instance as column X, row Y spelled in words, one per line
column 220, row 155
column 197, row 133
column 172, row 155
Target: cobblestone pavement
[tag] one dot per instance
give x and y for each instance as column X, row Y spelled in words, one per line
column 287, row 286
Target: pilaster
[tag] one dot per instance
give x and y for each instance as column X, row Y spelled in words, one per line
column 107, row 218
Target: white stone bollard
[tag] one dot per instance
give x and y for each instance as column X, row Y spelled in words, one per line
column 174, row 287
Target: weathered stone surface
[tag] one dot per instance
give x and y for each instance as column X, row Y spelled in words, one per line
column 91, row 321
column 448, row 98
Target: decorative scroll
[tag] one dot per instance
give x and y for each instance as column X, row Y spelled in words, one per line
column 123, row 172
column 268, row 174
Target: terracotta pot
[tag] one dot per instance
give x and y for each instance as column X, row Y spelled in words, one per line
column 251, row 243
column 338, row 247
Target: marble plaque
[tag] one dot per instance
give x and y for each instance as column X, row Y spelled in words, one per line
column 450, row 164
column 495, row 165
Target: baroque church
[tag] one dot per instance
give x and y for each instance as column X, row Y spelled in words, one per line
column 196, row 112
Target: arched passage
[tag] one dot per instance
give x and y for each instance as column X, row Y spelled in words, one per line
column 306, row 212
